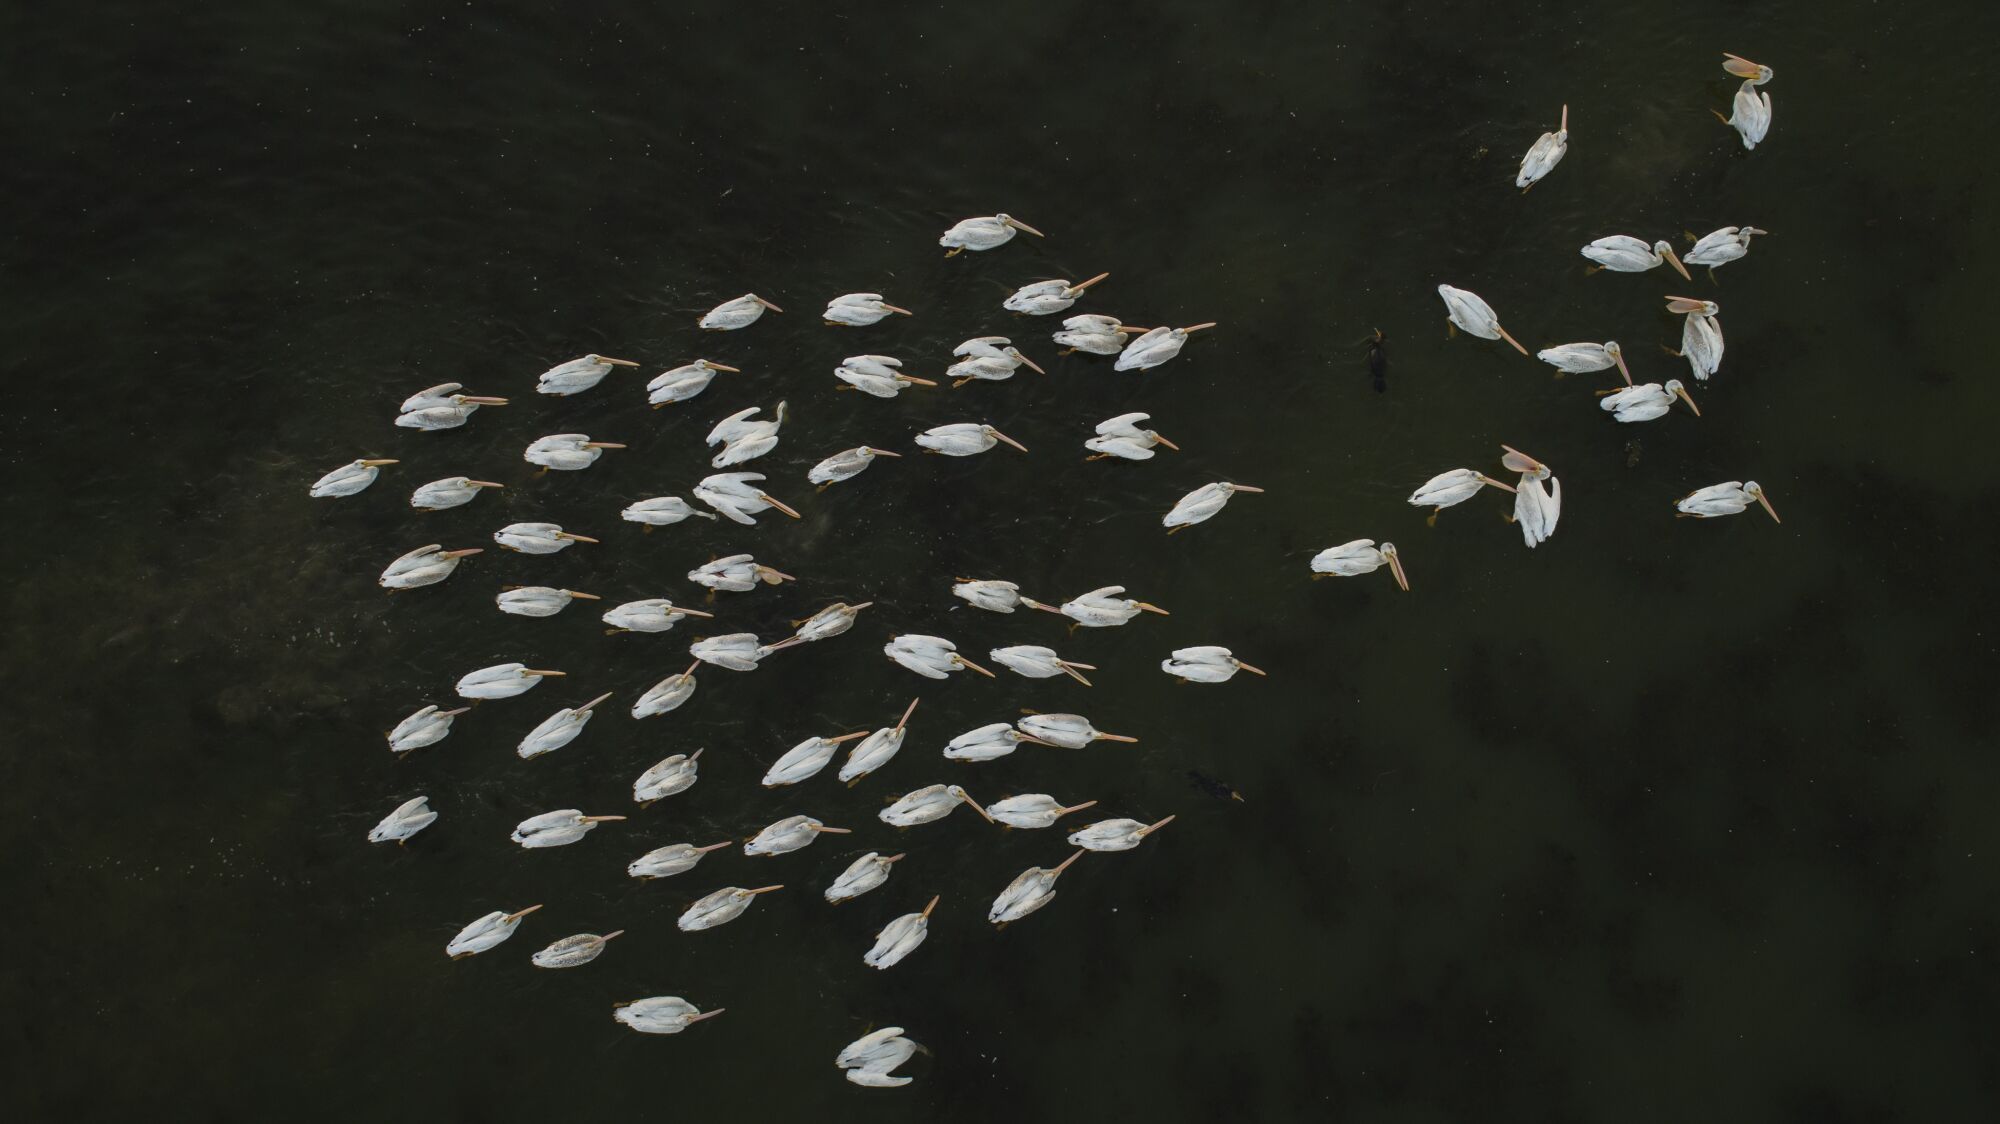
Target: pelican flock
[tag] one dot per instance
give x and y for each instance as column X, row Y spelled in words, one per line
column 888, row 870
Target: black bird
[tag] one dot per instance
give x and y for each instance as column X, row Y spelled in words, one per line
column 1213, row 787
column 1378, row 361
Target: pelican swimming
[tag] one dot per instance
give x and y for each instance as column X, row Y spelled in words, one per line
column 963, row 439
column 408, row 819
column 875, row 375
column 683, row 383
column 558, row 729
column 537, row 600
column 721, row 907
column 428, row 726
column 1362, row 556
column 993, row 596
column 1720, row 247
column 737, row 651
column 828, row 622
column 537, row 538
column 1584, row 358
column 743, row 439
column 858, row 310
column 1205, row 664
column 988, row 358
column 577, row 375
column 1121, row 437
column 737, row 497
column 1544, row 155
column 1066, row 731
column 452, row 491
column 1732, row 498
column 1622, row 253
column 900, row 937
column 348, row 479
column 738, row 573
column 1200, row 505
column 426, row 565
column 1036, row 662
column 1750, row 115
column 988, row 742
column 482, row 935
column 845, row 465
column 502, row 681
column 1448, row 489
column 1032, row 889
column 1155, row 347
column 442, row 407
column 1032, row 811
column 870, row 1059
column 739, row 313
column 1647, row 401
column 1536, row 509
column 930, row 656
column 789, row 834
column 677, row 858
column 1102, row 607
column 1701, row 334
column 573, row 951
column 983, row 233
column 566, row 452
column 1115, row 835
column 671, row 775
column 662, row 511
column 556, row 829
column 1465, row 310
column 655, row 614
column 862, row 875
column 876, row 749
column 928, row 805
column 662, row 1014
column 1039, row 298
column 668, row 694
column 806, row 759
column 1096, row 335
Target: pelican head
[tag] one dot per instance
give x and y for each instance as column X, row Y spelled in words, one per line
column 1675, row 389
column 1741, row 67
column 1752, row 488
column 765, row 303
column 1388, row 550
column 999, row 436
column 1014, row 353
column 1017, row 224
column 1689, row 305
column 596, row 358
column 1666, row 251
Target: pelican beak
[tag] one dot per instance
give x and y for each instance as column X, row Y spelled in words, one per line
column 773, row 577
column 882, row 453
column 895, row 858
column 704, row 1015
column 1739, row 66
column 574, row 538
column 825, row 830
column 585, row 596
column 999, row 436
column 611, row 934
column 978, row 807
column 1674, row 260
column 1688, row 398
column 466, row 553
column 601, row 819
column 911, row 709
column 483, row 400
column 1193, row 328
column 1564, row 127
column 680, row 612
column 1017, row 224
column 586, row 707
column 1622, row 369
column 766, row 304
column 912, row 378
column 602, row 445
column 1241, row 666
column 1137, row 331
column 1070, row 669
column 781, row 507
column 1243, row 488
column 1087, row 284
column 689, row 673
column 1116, row 737
column 377, row 463
column 1492, row 483
column 932, row 906
column 1768, row 509
column 521, row 914
column 893, row 308
column 714, row 366
column 1681, row 305
column 1033, row 366
column 764, row 889
column 450, row 713
column 483, row 484
column 1067, row 861
column 1517, row 461
column 1152, row 608
column 1151, row 828
column 1167, row 443
column 1077, row 808
column 713, row 847
column 847, row 737
column 966, row 663
column 1046, row 608
column 532, row 671
column 1396, row 568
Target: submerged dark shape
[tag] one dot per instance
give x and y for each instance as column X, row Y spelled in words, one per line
column 1215, row 788
column 1378, row 361
column 1632, row 453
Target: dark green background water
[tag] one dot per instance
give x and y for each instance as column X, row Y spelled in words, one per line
column 1665, row 820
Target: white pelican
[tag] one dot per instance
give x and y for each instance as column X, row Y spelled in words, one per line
column 1200, row 505
column 862, row 875
column 1121, row 437
column 662, row 1014
column 1155, row 347
column 1032, row 889
column 442, row 407
column 875, row 375
column 989, row 358
column 789, row 834
column 668, row 694
column 662, row 511
column 870, row 1059
column 1647, row 401
column 1732, row 498
column 655, row 614
column 502, row 681
column 1448, row 489
column 558, row 729
column 537, row 600
column 963, row 439
column 723, row 906
column 1466, row 310
column 537, row 538
column 1066, row 731
column 1039, row 298
column 984, row 233
column 452, row 491
column 1720, row 247
column 668, row 777
column 573, row 951
column 845, row 465
column 683, row 383
column 739, row 313
column 1102, row 608
column 408, row 819
column 993, row 596
column 577, row 375
column 1037, row 662
column 1536, row 509
column 1545, row 154
column 1701, row 335
column 428, row 726
column 566, row 452
column 483, row 934
column 805, row 759
column 1750, row 116
column 556, row 829
column 677, row 858
column 737, row 651
column 930, row 656
column 1115, row 835
column 1034, row 810
column 736, row 496
column 1622, row 253
column 1207, row 663
column 858, row 310
column 900, row 937
column 1362, row 556
column 1584, row 358
column 743, row 439
column 355, row 476
column 426, row 565
column 828, row 622
column 738, row 573
column 928, row 805
column 1096, row 335
column 876, row 749
column 988, row 742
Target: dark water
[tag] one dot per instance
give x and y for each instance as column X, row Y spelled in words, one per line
column 1662, row 821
